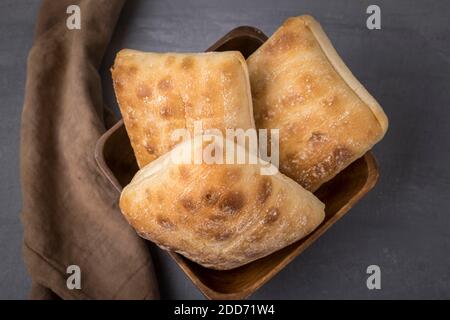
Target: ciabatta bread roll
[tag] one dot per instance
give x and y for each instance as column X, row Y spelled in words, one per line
column 325, row 116
column 158, row 93
column 221, row 216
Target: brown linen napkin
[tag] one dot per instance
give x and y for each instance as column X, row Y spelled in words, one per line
column 70, row 212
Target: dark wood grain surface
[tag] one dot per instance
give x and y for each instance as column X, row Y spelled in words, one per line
column 403, row 225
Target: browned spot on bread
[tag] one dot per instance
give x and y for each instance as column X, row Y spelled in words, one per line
column 271, row 216
column 210, row 197
column 188, row 204
column 329, row 101
column 266, row 113
column 169, row 61
column 259, row 88
column 213, row 151
column 311, row 177
column 217, row 217
column 165, row 84
column 165, row 223
column 289, row 159
column 149, row 148
column 223, row 235
column 166, row 111
column 143, row 91
column 187, row 63
column 317, row 137
column 319, row 171
column 148, row 132
column 342, row 155
column 264, row 189
column 232, row 202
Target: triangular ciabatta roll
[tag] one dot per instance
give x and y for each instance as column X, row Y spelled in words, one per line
column 160, row 92
column 221, row 216
column 327, row 119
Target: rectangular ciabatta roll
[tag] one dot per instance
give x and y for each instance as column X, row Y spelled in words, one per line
column 221, row 216
column 325, row 116
column 160, row 92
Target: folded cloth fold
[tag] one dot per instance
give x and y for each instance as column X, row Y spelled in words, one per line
column 70, row 213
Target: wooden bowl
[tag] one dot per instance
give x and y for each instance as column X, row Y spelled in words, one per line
column 116, row 160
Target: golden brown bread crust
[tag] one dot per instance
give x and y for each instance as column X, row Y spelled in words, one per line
column 158, row 93
column 220, row 216
column 325, row 116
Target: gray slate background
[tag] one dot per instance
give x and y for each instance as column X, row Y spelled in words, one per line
column 403, row 225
